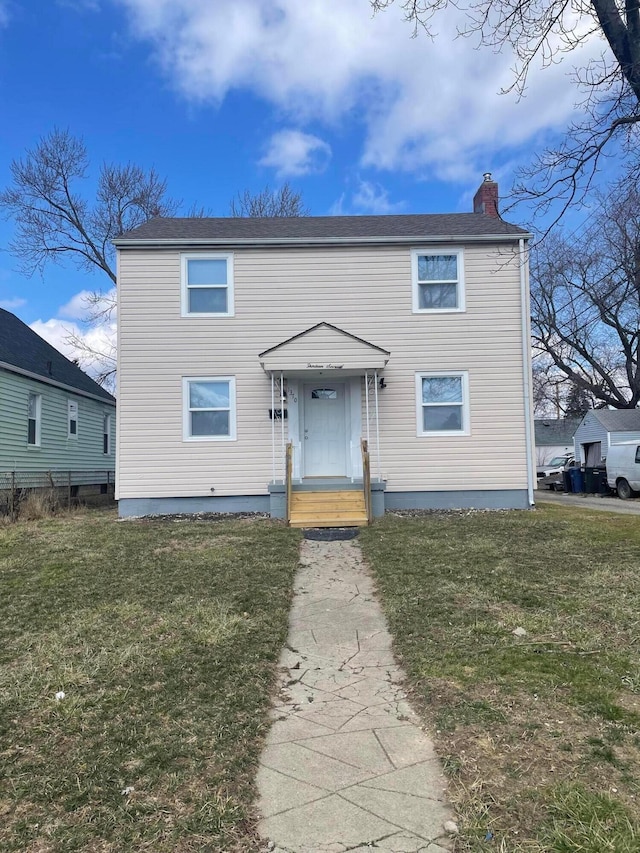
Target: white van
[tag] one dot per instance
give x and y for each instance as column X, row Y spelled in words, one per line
column 623, row 468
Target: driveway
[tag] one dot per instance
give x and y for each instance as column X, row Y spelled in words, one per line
column 603, row 503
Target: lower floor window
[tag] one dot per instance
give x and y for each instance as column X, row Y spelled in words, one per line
column 443, row 406
column 209, row 408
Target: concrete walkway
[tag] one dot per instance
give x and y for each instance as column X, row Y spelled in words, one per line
column 346, row 766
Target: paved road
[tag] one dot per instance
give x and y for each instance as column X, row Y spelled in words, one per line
column 603, row 504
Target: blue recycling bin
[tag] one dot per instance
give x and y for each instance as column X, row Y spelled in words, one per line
column 577, row 480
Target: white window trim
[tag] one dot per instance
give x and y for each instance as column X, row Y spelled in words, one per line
column 106, row 430
column 38, row 420
column 466, row 429
column 186, row 419
column 445, row 250
column 206, row 256
column 72, row 435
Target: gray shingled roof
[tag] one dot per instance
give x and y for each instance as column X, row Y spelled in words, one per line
column 550, row 432
column 21, row 347
column 618, row 420
column 318, row 228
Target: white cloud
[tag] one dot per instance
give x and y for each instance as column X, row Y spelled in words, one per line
column 373, row 198
column 92, row 345
column 429, row 106
column 292, row 152
column 369, row 197
column 13, row 303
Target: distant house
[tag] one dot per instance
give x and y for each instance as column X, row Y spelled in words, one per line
column 600, row 428
column 554, row 437
column 54, row 417
column 271, row 364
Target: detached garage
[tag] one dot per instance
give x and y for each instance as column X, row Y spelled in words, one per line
column 599, row 429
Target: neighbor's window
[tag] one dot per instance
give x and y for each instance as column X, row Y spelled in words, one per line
column 72, row 419
column 438, row 280
column 34, row 419
column 207, row 285
column 443, row 406
column 106, row 434
column 209, row 408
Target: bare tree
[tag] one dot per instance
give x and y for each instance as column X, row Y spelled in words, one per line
column 544, row 32
column 57, row 222
column 585, row 298
column 268, row 203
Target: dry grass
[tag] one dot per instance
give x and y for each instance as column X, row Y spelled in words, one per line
column 164, row 639
column 540, row 735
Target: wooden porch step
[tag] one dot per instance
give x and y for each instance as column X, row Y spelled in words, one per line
column 328, row 509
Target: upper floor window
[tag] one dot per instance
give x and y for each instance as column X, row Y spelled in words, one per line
column 207, row 285
column 209, row 408
column 438, row 280
column 34, row 419
column 72, row 419
column 106, row 434
column 443, row 403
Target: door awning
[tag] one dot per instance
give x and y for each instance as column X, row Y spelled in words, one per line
column 324, row 347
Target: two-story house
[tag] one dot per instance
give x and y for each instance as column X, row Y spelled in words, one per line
column 241, row 337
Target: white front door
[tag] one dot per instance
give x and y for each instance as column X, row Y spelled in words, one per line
column 324, row 430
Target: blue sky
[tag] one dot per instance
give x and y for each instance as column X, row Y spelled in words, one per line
column 224, row 95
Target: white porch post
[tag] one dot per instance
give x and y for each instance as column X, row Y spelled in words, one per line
column 284, row 448
column 273, row 428
column 375, row 386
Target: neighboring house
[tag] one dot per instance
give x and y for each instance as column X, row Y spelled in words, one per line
column 238, row 336
column 600, row 428
column 554, row 437
column 54, row 417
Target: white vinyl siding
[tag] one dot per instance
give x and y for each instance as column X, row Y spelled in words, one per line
column 280, row 293
column 72, row 419
column 209, row 405
column 207, row 285
column 437, row 278
column 442, row 403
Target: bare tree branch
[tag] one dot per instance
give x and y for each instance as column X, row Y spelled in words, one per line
column 268, row 203
column 585, row 300
column 542, row 32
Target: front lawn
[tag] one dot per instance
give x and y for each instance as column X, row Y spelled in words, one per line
column 163, row 637
column 539, row 733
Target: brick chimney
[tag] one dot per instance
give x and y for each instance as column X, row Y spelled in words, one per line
column 486, row 199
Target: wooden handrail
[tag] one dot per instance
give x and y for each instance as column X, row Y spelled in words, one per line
column 288, row 479
column 366, row 478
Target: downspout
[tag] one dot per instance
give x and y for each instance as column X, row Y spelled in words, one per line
column 526, row 367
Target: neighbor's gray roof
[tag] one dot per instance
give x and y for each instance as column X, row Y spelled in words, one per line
column 22, row 348
column 618, row 420
column 322, row 228
column 550, row 432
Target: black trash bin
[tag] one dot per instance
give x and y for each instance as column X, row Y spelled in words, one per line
column 589, row 480
column 566, row 480
column 600, row 481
